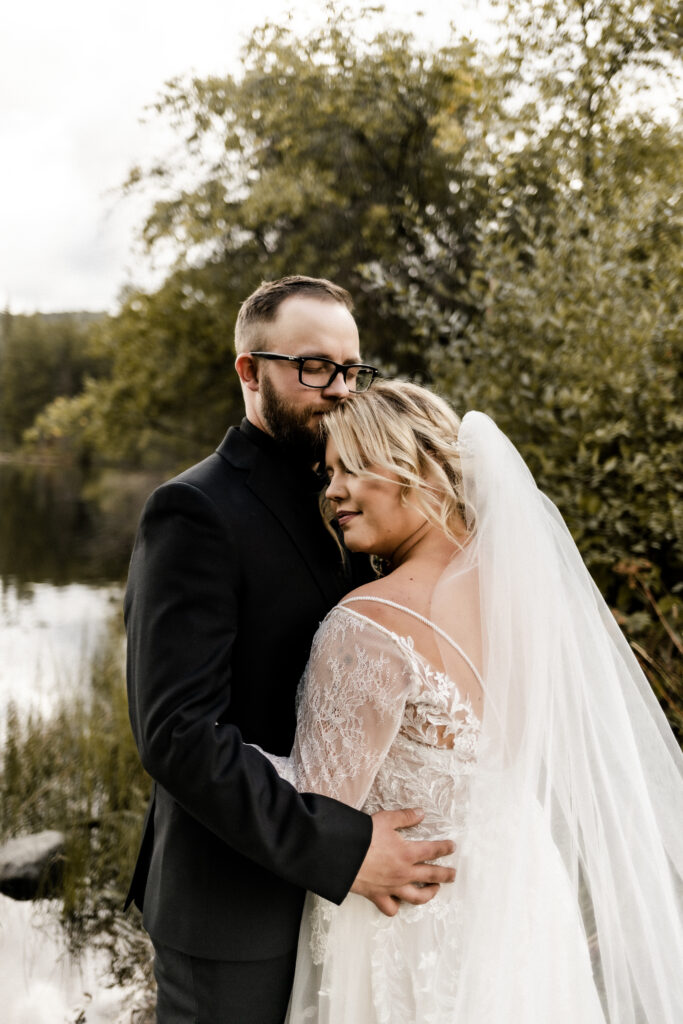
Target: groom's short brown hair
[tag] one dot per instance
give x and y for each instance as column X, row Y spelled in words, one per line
column 262, row 305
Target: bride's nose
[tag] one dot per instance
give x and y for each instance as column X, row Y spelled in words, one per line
column 335, row 489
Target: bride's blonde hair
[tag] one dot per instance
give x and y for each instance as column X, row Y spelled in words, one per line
column 408, row 430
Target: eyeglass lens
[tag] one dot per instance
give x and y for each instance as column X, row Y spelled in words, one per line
column 318, row 373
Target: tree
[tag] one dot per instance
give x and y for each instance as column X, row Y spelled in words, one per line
column 577, row 69
column 575, row 345
column 325, row 153
column 40, row 357
column 331, row 151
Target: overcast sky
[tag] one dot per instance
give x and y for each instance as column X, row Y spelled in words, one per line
column 75, row 77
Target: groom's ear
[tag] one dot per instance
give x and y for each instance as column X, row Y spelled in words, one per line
column 245, row 364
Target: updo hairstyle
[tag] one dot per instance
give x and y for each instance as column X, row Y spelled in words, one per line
column 408, row 430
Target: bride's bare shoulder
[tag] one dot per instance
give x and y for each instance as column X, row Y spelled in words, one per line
column 395, row 588
column 384, row 587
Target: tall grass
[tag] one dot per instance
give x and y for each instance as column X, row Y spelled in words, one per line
column 79, row 771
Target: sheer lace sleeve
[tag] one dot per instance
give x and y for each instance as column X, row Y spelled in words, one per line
column 350, row 705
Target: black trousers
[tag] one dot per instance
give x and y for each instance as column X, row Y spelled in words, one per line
column 191, row 990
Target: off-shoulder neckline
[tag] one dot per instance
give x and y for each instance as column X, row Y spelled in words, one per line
column 404, row 642
column 421, row 618
column 402, row 639
column 378, row 625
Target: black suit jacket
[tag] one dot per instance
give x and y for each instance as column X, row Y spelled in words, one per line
column 231, row 573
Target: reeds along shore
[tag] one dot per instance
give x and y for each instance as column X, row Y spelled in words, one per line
column 78, row 771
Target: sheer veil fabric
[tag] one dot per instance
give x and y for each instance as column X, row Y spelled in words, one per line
column 570, row 869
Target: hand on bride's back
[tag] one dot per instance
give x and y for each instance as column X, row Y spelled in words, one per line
column 394, row 868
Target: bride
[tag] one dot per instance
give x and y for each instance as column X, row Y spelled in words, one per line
column 483, row 679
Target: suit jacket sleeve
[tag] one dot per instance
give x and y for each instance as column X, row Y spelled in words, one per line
column 182, row 614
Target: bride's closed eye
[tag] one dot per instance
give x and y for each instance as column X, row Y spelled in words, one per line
column 330, row 471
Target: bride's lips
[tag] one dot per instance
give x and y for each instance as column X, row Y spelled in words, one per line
column 345, row 516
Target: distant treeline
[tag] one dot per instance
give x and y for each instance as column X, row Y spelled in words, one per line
column 42, row 357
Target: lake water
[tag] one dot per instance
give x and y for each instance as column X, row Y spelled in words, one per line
column 65, row 541
column 41, row 984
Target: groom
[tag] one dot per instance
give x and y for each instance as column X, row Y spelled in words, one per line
column 231, row 573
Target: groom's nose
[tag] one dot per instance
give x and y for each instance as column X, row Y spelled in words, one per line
column 338, row 388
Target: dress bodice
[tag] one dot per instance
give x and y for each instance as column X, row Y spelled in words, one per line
column 433, row 753
column 379, row 727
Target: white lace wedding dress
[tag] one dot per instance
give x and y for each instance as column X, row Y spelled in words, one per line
column 379, row 728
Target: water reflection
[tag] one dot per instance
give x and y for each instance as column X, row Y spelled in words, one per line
column 57, row 526
column 48, row 637
column 65, row 542
column 41, row 984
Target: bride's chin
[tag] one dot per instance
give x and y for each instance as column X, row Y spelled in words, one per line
column 356, row 546
column 359, row 548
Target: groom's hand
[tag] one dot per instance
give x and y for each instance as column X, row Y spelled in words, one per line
column 394, row 868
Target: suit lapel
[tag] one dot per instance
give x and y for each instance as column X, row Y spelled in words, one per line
column 269, row 481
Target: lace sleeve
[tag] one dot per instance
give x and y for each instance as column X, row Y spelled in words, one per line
column 350, row 705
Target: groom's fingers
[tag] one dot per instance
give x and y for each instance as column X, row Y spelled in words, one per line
column 395, row 866
column 425, row 849
column 404, row 818
column 430, row 849
column 387, row 904
column 416, row 894
column 416, row 849
column 431, row 874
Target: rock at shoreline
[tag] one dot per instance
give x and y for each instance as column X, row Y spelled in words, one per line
column 31, row 866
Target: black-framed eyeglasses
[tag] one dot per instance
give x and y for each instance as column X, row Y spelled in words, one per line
column 319, row 373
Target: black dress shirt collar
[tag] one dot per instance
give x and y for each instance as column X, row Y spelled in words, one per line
column 305, row 477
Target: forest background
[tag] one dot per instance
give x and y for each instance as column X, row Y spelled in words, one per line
column 509, row 220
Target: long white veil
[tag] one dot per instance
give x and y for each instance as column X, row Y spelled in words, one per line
column 571, row 872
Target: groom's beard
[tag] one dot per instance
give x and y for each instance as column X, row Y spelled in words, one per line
column 292, row 427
